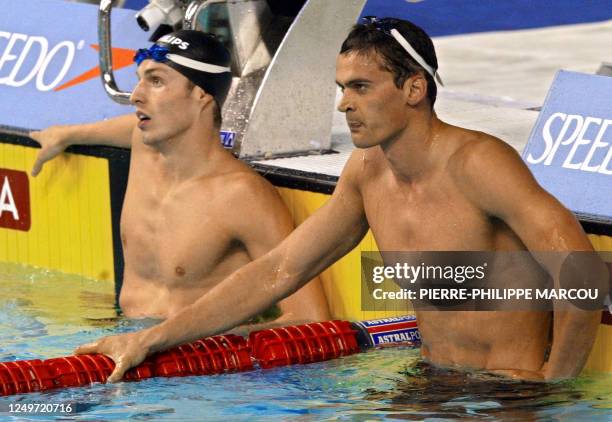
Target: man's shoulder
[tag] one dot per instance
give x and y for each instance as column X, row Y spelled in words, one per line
column 478, row 151
column 244, row 181
column 240, row 185
column 484, row 167
column 250, row 204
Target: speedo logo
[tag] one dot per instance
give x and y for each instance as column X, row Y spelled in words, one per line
column 16, row 70
column 31, row 59
column 172, row 40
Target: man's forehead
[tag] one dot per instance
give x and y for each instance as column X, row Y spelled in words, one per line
column 358, row 64
column 150, row 66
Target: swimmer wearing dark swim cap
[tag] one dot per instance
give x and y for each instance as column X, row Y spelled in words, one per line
column 198, row 56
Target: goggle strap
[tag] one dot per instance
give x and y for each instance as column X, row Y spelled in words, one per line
column 194, row 64
column 416, row 56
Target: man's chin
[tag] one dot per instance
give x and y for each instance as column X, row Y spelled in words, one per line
column 149, row 141
column 359, row 141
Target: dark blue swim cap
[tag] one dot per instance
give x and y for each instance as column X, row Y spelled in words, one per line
column 198, row 56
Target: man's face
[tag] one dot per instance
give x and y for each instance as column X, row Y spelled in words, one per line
column 165, row 106
column 375, row 108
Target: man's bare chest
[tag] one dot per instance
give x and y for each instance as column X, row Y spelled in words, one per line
column 172, row 240
column 429, row 217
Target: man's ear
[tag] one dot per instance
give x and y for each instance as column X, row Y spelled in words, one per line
column 202, row 96
column 415, row 89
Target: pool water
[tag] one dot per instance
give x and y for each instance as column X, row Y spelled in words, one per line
column 45, row 314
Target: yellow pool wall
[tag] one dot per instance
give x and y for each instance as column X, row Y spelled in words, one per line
column 71, row 232
column 70, row 213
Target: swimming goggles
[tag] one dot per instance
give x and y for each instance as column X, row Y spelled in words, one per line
column 161, row 54
column 384, row 25
column 155, row 52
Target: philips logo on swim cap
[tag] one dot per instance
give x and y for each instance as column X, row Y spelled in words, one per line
column 172, row 40
column 201, row 58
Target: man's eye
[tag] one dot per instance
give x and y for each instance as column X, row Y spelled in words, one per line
column 156, row 81
column 361, row 87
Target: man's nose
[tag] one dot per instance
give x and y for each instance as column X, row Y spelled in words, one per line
column 137, row 96
column 345, row 103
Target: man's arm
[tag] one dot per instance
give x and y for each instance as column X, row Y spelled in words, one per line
column 54, row 140
column 260, row 230
column 497, row 180
column 317, row 243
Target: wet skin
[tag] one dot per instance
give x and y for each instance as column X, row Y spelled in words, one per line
column 192, row 213
column 427, row 209
column 429, row 186
column 419, row 184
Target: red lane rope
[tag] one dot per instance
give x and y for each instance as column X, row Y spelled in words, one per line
column 273, row 347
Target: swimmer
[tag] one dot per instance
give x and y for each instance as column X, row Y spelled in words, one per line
column 192, row 213
column 419, row 184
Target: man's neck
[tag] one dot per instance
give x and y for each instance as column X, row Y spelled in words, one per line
column 189, row 155
column 410, row 153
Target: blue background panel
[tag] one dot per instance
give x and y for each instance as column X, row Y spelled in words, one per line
column 451, row 17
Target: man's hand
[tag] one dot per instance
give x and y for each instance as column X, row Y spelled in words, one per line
column 127, row 350
column 53, row 141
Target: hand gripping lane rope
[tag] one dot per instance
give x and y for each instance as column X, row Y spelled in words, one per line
column 299, row 344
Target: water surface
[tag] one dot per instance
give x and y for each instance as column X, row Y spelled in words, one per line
column 46, row 314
